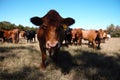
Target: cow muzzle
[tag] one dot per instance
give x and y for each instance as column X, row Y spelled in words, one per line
column 54, row 44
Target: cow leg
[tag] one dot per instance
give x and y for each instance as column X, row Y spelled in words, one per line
column 27, row 40
column 98, row 44
column 34, row 39
column 44, row 57
column 89, row 44
column 13, row 38
column 30, row 40
column 79, row 41
column 3, row 39
column 94, row 44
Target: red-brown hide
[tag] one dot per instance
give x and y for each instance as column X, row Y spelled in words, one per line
column 51, row 32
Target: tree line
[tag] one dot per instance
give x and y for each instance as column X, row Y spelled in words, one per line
column 113, row 30
column 8, row 25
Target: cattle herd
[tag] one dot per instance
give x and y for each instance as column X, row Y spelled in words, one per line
column 14, row 35
column 53, row 30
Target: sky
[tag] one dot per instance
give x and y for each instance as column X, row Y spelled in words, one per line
column 88, row 14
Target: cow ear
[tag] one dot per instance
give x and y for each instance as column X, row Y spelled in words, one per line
column 36, row 21
column 68, row 21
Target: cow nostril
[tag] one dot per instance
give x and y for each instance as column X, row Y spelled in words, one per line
column 47, row 45
column 52, row 44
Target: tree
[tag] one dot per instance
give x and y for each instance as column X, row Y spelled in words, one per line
column 7, row 25
column 110, row 28
column 21, row 27
column 114, row 31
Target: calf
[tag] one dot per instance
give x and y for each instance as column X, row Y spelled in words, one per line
column 51, row 33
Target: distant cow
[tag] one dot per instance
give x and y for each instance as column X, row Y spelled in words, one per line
column 12, row 35
column 22, row 34
column 68, row 36
column 51, row 32
column 2, row 35
column 30, row 35
column 76, row 36
column 93, row 36
column 104, row 36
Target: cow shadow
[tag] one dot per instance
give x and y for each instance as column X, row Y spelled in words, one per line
column 97, row 66
column 64, row 61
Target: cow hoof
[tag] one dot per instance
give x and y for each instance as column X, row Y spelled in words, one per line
column 46, row 62
column 42, row 67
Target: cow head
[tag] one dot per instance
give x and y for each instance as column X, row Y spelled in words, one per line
column 100, row 34
column 52, row 28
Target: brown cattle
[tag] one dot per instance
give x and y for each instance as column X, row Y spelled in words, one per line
column 22, row 34
column 15, row 35
column 51, row 32
column 1, row 35
column 76, row 35
column 104, row 36
column 93, row 36
column 11, row 34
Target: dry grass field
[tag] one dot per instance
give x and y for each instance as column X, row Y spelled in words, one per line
column 21, row 62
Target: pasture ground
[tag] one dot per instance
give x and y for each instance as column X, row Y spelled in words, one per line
column 21, row 62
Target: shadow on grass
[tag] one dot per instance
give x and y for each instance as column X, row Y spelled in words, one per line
column 97, row 66
column 26, row 73
column 64, row 61
column 6, row 52
column 87, row 65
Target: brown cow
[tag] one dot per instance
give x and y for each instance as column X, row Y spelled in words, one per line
column 51, row 32
column 76, row 35
column 2, row 35
column 11, row 34
column 15, row 35
column 22, row 34
column 93, row 36
column 104, row 36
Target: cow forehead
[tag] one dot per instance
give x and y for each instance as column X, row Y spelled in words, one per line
column 52, row 18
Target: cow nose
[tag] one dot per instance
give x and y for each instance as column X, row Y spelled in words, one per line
column 52, row 44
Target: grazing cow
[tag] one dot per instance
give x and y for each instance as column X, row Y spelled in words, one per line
column 51, row 33
column 30, row 35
